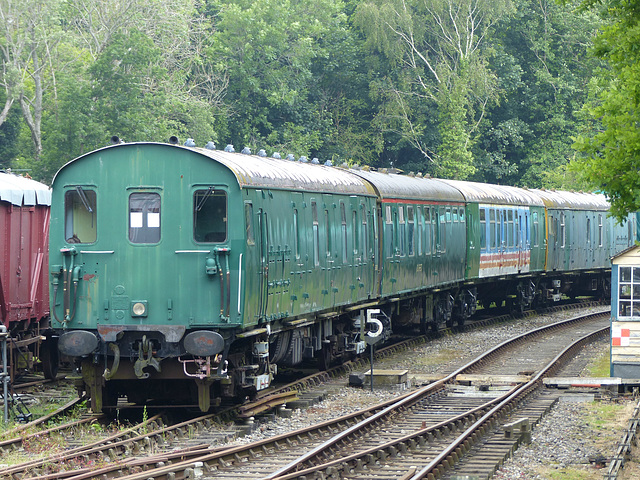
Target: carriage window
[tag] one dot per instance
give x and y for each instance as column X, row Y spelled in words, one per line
column 510, row 228
column 363, row 234
column 296, row 234
column 209, row 216
column 402, row 231
column 80, row 216
column 428, row 235
column 316, row 234
column 327, row 226
column 248, row 222
column 411, row 230
column 354, row 231
column 588, row 230
column 387, row 211
column 629, row 292
column 144, row 217
column 445, row 215
column 461, row 213
column 562, row 230
column 492, row 229
column 419, row 229
column 535, row 228
column 483, row 229
column 343, row 217
column 600, row 230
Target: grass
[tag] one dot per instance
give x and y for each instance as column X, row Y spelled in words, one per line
column 572, row 473
column 600, row 365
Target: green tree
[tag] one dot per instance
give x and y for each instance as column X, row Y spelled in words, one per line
column 29, row 33
column 541, row 58
column 440, row 49
column 295, row 77
column 612, row 146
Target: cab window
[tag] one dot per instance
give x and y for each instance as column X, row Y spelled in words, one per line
column 209, row 216
column 80, row 216
column 144, row 218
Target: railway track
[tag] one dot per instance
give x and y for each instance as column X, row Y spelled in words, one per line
column 427, row 433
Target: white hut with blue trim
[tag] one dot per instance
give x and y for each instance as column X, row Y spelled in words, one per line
column 625, row 314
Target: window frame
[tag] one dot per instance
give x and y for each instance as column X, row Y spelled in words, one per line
column 145, row 217
column 89, row 204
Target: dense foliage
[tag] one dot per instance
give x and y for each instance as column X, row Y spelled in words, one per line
column 486, row 90
column 611, row 141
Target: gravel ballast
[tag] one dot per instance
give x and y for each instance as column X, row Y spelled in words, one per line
column 574, row 438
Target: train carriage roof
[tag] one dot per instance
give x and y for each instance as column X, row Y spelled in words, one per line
column 391, row 185
column 495, row 194
column 19, row 190
column 573, row 200
column 255, row 171
column 263, row 172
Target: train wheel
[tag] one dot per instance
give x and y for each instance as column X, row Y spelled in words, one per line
column 49, row 358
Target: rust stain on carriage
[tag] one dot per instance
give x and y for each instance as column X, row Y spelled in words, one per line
column 109, row 331
column 206, row 339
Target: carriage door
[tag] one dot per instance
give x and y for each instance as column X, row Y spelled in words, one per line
column 264, row 263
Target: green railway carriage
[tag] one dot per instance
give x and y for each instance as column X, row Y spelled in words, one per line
column 422, row 232
column 164, row 256
column 423, row 248
column 581, row 239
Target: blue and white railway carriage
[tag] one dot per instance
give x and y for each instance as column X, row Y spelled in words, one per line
column 505, row 230
column 625, row 314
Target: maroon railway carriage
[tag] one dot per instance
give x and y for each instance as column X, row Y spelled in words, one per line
column 24, row 259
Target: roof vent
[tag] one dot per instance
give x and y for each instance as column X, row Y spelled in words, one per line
column 419, row 174
column 276, row 155
column 173, row 140
column 291, row 158
column 229, row 148
column 262, row 153
column 115, row 140
column 315, row 161
column 189, row 143
column 303, row 159
column 246, row 151
column 210, row 146
column 329, row 163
